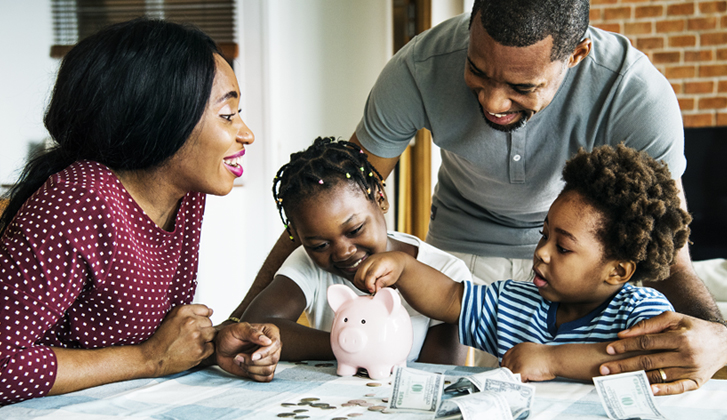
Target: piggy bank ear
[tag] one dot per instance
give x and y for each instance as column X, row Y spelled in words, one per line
column 338, row 294
column 389, row 297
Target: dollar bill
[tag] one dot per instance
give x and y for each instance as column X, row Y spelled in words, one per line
column 503, row 374
column 627, row 395
column 519, row 396
column 478, row 406
column 415, row 390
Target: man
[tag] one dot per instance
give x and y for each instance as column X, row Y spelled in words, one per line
column 509, row 95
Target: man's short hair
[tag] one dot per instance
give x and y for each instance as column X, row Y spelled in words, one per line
column 521, row 23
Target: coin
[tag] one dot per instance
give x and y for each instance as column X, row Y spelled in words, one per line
column 370, row 395
column 304, row 403
column 349, row 404
column 300, row 410
column 301, row 417
column 309, row 399
column 319, row 405
column 288, row 404
column 355, row 414
column 340, row 418
column 329, row 407
column 286, row 415
column 377, row 407
column 373, row 384
column 385, row 400
column 357, row 402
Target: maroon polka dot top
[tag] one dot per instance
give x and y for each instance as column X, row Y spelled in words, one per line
column 82, row 266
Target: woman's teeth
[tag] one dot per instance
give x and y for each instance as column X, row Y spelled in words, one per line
column 237, row 162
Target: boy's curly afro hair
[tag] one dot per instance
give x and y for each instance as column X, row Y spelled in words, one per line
column 642, row 220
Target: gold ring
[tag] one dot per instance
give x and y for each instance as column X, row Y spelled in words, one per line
column 663, row 374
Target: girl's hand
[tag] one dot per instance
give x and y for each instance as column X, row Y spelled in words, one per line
column 181, row 342
column 249, row 350
column 379, row 271
column 532, row 361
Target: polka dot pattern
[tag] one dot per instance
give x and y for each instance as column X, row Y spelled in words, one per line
column 82, row 266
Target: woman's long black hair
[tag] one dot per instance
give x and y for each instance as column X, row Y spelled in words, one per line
column 128, row 97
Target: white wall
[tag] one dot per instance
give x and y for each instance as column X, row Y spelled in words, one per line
column 305, row 70
column 26, row 77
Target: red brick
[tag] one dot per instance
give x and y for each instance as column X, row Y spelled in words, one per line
column 635, row 1
column 648, row 11
column 713, row 6
column 611, row 27
column 682, row 41
column 724, row 22
column 702, row 55
column 680, row 9
column 594, row 14
column 701, row 24
column 617, row 13
column 680, row 72
column 698, row 120
column 637, row 28
column 666, row 57
column 686, row 104
column 721, row 119
column 603, row 2
column 722, row 86
column 649, row 43
column 722, row 54
column 713, row 103
column 715, row 38
column 676, row 87
column 713, row 71
column 670, row 26
column 698, row 87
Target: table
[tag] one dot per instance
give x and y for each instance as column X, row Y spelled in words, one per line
column 211, row 394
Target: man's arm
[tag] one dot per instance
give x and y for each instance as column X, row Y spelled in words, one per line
column 383, row 165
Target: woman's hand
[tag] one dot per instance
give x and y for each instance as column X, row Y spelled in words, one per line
column 532, row 361
column 181, row 342
column 688, row 350
column 379, row 271
column 249, row 350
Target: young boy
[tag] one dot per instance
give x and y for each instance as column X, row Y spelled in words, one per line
column 617, row 219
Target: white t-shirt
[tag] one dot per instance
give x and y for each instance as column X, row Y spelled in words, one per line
column 314, row 282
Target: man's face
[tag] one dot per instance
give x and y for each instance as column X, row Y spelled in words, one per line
column 511, row 83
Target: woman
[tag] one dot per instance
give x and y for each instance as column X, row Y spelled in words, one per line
column 100, row 240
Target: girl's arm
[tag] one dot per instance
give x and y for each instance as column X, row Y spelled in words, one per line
column 426, row 289
column 281, row 304
column 541, row 362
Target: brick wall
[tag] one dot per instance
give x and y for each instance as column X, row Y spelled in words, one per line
column 687, row 42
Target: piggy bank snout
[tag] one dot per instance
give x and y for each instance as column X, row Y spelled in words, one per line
column 352, row 340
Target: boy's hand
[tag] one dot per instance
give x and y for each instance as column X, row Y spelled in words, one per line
column 379, row 271
column 530, row 360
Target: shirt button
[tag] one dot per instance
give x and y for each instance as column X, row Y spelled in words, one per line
column 516, row 158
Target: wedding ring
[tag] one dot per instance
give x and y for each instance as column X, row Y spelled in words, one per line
column 663, row 374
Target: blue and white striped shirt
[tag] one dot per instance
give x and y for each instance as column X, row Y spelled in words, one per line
column 495, row 318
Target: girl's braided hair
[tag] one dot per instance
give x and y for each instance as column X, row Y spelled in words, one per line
column 642, row 220
column 319, row 168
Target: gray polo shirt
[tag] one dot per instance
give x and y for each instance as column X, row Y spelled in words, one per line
column 494, row 189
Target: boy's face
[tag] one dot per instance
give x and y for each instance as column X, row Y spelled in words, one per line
column 568, row 261
column 340, row 228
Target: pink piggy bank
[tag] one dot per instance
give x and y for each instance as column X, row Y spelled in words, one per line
column 371, row 332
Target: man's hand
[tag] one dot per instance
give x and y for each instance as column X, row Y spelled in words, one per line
column 687, row 350
column 249, row 350
column 532, row 361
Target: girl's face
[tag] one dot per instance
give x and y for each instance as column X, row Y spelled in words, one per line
column 568, row 262
column 211, row 159
column 340, row 228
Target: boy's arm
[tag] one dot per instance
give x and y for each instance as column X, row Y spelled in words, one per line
column 426, row 289
column 541, row 362
column 281, row 304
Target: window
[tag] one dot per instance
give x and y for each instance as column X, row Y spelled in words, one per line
column 73, row 20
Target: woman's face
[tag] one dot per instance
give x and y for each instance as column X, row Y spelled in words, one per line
column 211, row 159
column 339, row 228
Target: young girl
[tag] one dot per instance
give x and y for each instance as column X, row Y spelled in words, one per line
column 332, row 200
column 617, row 219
